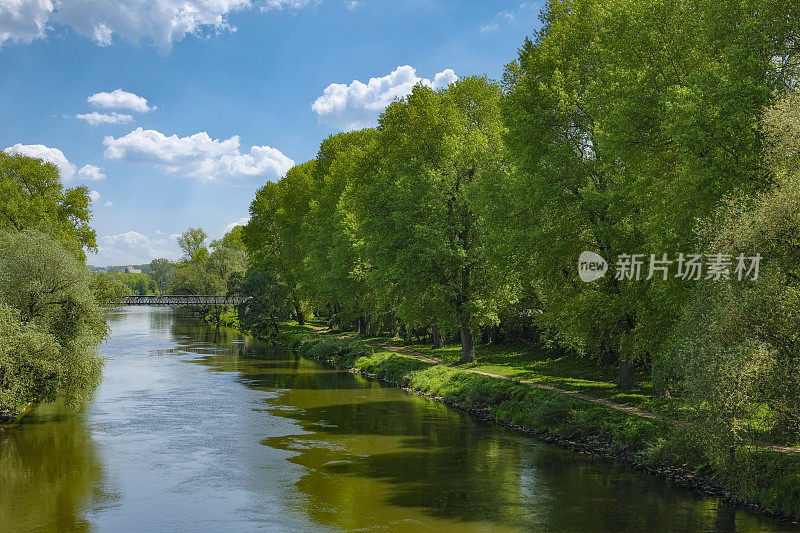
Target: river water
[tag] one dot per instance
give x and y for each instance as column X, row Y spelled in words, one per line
column 197, row 428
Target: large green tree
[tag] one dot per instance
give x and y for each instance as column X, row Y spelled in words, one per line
column 335, row 268
column 419, row 214
column 51, row 322
column 276, row 237
column 32, row 196
column 628, row 122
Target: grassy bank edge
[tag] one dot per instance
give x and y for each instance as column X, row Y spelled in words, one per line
column 763, row 481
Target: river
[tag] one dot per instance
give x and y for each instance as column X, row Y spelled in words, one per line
column 198, row 428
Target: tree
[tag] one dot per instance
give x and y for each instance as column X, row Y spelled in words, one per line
column 193, row 243
column 46, row 288
column 419, row 215
column 227, row 260
column 108, row 291
column 268, row 303
column 161, row 271
column 623, row 141
column 33, row 197
column 194, row 277
column 737, row 347
column 232, row 239
column 275, row 235
column 336, row 271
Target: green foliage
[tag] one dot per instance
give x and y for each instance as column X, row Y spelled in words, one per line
column 32, row 196
column 108, row 290
column 193, row 277
column 336, row 269
column 268, row 303
column 232, row 239
column 138, row 283
column 227, row 258
column 51, row 322
column 736, row 350
column 419, row 215
column 161, row 271
column 274, row 236
column 624, row 139
column 193, row 243
column 202, row 272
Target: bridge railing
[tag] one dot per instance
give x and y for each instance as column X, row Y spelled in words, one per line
column 204, row 300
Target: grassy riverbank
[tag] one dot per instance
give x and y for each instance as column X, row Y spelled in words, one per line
column 766, row 480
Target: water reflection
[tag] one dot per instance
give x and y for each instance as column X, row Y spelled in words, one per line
column 50, row 473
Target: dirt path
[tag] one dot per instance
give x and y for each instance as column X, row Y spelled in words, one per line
column 575, row 394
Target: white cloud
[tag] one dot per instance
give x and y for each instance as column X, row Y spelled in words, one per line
column 94, row 195
column 91, row 173
column 241, row 222
column 95, row 119
column 23, row 21
column 51, row 155
column 67, row 170
column 198, row 155
column 352, row 4
column 133, row 247
column 159, row 22
column 358, row 105
column 119, row 99
column 109, row 203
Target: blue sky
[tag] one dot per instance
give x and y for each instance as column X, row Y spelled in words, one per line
column 188, row 106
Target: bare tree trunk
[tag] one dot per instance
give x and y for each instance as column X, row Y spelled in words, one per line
column 301, row 319
column 467, row 344
column 626, row 378
column 438, row 342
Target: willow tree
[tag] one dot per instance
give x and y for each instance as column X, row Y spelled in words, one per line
column 418, row 214
column 629, row 121
column 275, row 236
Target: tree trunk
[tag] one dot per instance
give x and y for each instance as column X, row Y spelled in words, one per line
column 626, row 378
column 437, row 338
column 301, row 319
column 467, row 344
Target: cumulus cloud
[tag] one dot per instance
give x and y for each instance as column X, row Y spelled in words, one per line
column 358, row 105
column 119, row 99
column 91, row 173
column 158, row 22
column 94, row 195
column 198, row 155
column 23, row 21
column 241, row 222
column 95, row 118
column 67, row 170
column 109, row 203
column 50, row 155
column 132, row 247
